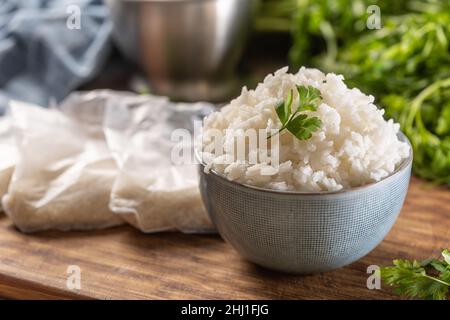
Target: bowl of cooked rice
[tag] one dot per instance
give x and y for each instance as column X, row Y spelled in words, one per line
column 326, row 195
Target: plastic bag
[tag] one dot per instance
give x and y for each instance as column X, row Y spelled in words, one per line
column 64, row 171
column 151, row 192
column 102, row 158
column 8, row 154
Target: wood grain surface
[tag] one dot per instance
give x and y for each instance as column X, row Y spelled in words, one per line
column 122, row 263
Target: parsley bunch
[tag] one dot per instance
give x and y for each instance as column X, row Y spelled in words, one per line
column 405, row 64
column 299, row 124
column 429, row 279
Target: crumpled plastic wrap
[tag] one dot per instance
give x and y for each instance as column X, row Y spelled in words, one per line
column 103, row 158
column 8, row 154
column 63, row 175
column 151, row 192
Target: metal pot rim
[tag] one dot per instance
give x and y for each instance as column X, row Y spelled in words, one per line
column 165, row 1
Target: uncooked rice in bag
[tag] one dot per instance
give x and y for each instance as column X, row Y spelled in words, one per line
column 63, row 175
column 151, row 192
column 8, row 154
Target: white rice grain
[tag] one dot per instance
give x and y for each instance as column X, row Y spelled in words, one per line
column 354, row 146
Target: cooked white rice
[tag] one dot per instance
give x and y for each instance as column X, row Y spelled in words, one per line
column 354, row 145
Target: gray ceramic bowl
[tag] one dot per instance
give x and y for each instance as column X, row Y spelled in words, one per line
column 304, row 232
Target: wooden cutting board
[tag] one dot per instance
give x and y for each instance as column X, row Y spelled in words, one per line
column 122, row 263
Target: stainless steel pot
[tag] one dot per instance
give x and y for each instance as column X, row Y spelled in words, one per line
column 188, row 48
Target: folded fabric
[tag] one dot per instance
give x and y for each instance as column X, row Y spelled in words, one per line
column 42, row 57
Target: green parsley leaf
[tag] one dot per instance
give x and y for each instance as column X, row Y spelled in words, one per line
column 284, row 109
column 303, row 126
column 299, row 124
column 446, row 255
column 308, row 97
column 439, row 265
column 414, row 279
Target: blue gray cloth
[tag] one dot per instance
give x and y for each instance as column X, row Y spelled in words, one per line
column 41, row 58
